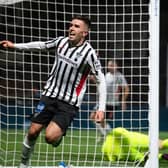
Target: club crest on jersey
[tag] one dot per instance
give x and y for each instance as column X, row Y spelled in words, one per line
column 40, row 107
column 78, row 54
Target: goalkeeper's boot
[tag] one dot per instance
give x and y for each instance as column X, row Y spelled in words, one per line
column 56, row 143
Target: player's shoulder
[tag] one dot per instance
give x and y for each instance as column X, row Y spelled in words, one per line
column 108, row 75
column 63, row 38
column 119, row 74
column 91, row 52
column 55, row 40
column 121, row 77
column 90, row 47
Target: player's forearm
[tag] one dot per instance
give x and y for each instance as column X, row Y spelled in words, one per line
column 124, row 98
column 37, row 45
column 125, row 94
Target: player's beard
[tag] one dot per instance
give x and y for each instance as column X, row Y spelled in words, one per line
column 76, row 40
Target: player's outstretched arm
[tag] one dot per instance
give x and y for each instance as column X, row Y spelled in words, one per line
column 36, row 45
column 7, row 44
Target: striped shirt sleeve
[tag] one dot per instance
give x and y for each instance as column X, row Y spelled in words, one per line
column 96, row 69
column 36, row 45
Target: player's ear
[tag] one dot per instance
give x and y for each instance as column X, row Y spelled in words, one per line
column 85, row 33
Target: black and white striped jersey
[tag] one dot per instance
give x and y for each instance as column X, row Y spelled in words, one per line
column 67, row 79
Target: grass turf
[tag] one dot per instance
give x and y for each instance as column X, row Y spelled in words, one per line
column 80, row 151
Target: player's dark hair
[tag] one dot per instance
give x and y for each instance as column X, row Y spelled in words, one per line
column 85, row 19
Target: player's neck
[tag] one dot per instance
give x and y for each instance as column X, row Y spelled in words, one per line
column 76, row 44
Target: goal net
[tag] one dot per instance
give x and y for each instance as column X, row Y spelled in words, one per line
column 122, row 30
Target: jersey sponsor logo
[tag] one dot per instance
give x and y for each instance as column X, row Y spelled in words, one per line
column 68, row 61
column 40, row 107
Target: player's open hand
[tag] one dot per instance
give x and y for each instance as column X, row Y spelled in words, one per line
column 7, row 44
column 99, row 117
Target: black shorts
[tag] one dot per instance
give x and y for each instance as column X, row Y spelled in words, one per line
column 52, row 109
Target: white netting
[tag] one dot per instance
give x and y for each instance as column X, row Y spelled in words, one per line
column 120, row 31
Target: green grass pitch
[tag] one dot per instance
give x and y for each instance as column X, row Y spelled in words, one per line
column 85, row 150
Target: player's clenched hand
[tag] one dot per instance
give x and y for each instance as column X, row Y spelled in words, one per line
column 7, row 44
column 99, row 117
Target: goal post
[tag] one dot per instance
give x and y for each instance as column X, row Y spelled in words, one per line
column 126, row 31
column 154, row 89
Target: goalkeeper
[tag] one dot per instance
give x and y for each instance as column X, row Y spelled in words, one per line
column 121, row 144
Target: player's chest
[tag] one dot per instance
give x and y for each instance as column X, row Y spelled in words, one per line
column 71, row 58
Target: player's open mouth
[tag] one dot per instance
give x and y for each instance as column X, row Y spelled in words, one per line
column 71, row 34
